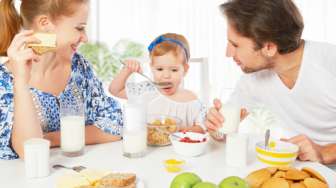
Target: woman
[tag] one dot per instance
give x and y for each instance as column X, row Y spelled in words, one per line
column 32, row 87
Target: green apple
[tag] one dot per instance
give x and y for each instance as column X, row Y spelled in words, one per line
column 185, row 180
column 205, row 185
column 233, row 182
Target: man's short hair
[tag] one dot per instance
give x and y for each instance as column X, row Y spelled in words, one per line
column 277, row 21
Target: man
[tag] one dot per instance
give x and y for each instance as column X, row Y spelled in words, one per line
column 294, row 78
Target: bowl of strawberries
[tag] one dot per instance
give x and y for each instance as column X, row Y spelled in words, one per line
column 189, row 144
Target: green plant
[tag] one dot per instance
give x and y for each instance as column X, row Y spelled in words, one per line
column 125, row 48
column 107, row 63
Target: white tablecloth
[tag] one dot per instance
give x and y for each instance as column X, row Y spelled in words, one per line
column 210, row 166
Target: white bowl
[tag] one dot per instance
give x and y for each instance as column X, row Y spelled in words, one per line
column 186, row 148
column 281, row 154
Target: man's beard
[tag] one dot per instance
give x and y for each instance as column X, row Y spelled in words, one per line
column 249, row 70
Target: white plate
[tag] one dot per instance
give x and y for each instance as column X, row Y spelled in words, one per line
column 73, row 179
column 139, row 183
column 326, row 172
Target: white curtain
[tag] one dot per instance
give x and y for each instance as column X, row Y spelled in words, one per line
column 201, row 22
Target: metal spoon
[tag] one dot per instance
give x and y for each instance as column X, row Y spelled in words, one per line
column 75, row 168
column 157, row 84
column 167, row 133
column 267, row 137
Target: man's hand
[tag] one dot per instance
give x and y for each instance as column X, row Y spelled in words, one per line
column 308, row 150
column 214, row 119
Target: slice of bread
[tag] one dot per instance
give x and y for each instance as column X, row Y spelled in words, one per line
column 132, row 185
column 72, row 180
column 48, row 43
column 93, row 175
column 118, row 180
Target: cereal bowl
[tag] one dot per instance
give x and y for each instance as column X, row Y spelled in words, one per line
column 189, row 144
column 278, row 153
column 159, row 127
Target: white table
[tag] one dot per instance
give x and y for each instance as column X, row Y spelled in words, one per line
column 150, row 169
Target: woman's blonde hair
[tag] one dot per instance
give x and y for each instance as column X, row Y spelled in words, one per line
column 11, row 22
column 177, row 45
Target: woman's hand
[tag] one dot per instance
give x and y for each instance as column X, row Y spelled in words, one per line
column 21, row 58
column 132, row 66
column 26, row 123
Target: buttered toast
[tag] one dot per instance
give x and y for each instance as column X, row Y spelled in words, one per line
column 47, row 44
column 114, row 180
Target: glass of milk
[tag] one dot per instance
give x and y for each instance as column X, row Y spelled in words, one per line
column 72, row 129
column 231, row 113
column 36, row 157
column 236, row 150
column 134, row 132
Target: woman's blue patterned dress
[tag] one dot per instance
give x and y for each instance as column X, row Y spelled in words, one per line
column 83, row 86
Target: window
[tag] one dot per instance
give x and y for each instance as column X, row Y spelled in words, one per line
column 201, row 22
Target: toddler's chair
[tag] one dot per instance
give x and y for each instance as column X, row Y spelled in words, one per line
column 197, row 78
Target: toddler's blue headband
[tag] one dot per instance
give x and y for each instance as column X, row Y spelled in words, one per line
column 161, row 39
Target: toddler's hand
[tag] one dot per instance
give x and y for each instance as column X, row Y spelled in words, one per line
column 132, row 66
